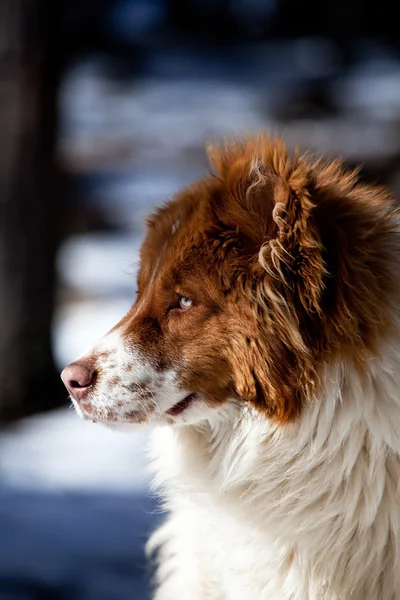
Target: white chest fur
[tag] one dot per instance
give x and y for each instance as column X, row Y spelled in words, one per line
column 310, row 511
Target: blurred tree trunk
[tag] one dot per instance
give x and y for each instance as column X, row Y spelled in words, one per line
column 29, row 72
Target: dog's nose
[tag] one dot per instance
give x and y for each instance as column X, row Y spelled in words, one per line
column 78, row 378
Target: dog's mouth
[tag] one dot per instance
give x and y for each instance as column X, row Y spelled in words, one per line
column 89, row 411
column 177, row 409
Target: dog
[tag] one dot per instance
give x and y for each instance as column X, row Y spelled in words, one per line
column 264, row 344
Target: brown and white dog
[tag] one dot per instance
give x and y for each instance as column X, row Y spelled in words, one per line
column 265, row 340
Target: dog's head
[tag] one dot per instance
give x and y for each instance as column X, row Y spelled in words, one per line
column 249, row 282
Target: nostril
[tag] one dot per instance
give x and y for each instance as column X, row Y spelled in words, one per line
column 76, row 385
column 77, row 377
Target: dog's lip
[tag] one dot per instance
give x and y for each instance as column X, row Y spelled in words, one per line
column 89, row 414
column 178, row 408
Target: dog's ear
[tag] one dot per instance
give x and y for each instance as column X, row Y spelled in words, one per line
column 267, row 201
column 320, row 249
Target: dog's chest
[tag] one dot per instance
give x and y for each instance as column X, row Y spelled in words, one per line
column 290, row 538
column 241, row 554
column 223, row 531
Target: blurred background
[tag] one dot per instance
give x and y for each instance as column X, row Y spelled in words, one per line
column 104, row 110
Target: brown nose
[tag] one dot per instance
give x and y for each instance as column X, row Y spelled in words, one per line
column 78, row 378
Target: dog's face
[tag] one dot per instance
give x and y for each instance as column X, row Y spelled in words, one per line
column 169, row 359
column 248, row 282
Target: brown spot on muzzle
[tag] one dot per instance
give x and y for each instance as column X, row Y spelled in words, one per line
column 143, row 392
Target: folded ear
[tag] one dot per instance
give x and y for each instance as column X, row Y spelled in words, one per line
column 320, row 270
column 267, row 200
column 267, row 203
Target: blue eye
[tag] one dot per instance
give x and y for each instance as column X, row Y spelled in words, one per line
column 185, row 302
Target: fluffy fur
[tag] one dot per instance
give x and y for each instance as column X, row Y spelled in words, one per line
column 278, row 387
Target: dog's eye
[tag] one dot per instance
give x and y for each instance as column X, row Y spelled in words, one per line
column 185, row 302
column 181, row 303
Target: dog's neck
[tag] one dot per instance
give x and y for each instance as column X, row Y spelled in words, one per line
column 333, row 475
column 353, row 411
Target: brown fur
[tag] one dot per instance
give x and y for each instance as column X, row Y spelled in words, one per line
column 289, row 265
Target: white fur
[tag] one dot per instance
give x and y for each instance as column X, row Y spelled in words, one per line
column 310, row 511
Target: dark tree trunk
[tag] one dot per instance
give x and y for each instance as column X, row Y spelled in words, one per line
column 29, row 206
